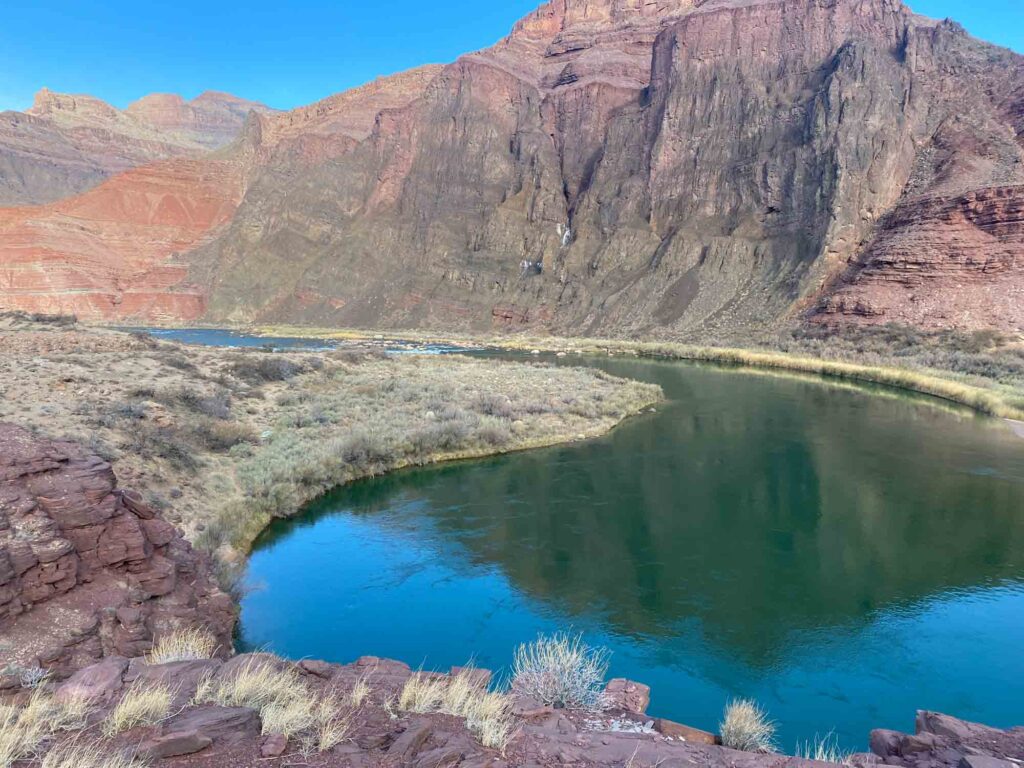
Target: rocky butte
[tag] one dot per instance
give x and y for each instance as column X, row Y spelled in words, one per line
column 656, row 167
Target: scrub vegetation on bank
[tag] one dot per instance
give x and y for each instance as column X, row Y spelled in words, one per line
column 983, row 370
column 224, row 440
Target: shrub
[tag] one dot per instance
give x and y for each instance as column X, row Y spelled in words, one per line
column 363, row 449
column 183, row 645
column 561, row 670
column 223, row 435
column 492, row 432
column 494, row 405
column 745, row 726
column 358, row 355
column 265, row 367
column 140, row 705
column 445, row 436
column 162, row 442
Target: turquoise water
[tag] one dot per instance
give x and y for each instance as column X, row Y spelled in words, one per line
column 843, row 556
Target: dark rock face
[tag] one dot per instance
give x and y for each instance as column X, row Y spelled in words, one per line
column 941, row 741
column 88, row 570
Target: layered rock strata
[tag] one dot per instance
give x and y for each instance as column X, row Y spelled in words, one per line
column 88, row 570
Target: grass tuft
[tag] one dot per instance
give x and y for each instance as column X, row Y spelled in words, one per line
column 183, row 645
column 284, row 701
column 561, row 670
column 488, row 714
column 359, row 693
column 745, row 726
column 24, row 729
column 825, row 749
column 75, row 754
column 140, row 705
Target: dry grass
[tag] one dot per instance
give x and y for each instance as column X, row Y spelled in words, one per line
column 488, row 714
column 359, row 693
column 561, row 670
column 24, row 729
column 183, row 645
column 983, row 370
column 140, row 705
column 825, row 749
column 286, row 704
column 333, row 725
column 745, row 726
column 76, row 754
column 258, row 684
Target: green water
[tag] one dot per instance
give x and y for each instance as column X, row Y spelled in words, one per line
column 843, row 557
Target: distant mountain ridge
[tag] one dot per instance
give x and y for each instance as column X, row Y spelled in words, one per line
column 65, row 144
column 642, row 167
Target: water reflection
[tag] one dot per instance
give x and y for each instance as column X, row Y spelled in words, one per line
column 817, row 547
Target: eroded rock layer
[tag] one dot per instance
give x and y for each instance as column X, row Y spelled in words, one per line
column 88, row 570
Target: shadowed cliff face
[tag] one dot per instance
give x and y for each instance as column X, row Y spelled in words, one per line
column 664, row 167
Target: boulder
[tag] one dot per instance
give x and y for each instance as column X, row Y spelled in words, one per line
column 408, row 744
column 684, row 732
column 627, row 695
column 274, row 745
column 222, row 726
column 174, row 745
column 99, row 682
column 985, row 761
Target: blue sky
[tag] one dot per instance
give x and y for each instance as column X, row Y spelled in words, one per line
column 286, row 54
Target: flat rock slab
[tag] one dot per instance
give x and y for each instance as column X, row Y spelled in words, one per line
column 221, row 725
column 98, row 682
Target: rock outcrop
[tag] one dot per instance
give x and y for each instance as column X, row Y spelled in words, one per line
column 941, row 741
column 88, row 570
column 67, row 144
column 673, row 167
column 380, row 733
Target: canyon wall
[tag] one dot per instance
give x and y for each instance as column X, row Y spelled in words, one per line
column 659, row 168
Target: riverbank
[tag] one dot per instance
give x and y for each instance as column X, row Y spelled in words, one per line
column 192, row 709
column 970, row 375
column 226, row 440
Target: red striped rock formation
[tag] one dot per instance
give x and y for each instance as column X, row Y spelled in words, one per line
column 941, row 262
column 115, row 251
